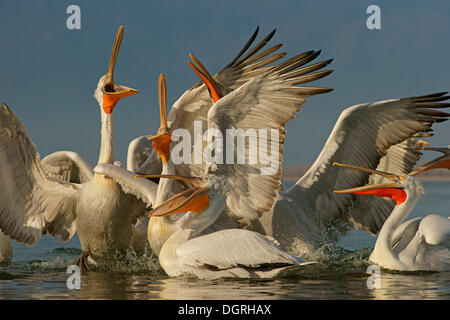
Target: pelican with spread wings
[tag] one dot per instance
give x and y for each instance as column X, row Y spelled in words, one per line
column 32, row 204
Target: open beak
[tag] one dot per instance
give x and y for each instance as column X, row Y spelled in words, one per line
column 195, row 199
column 196, row 182
column 161, row 141
column 389, row 190
column 442, row 162
column 387, row 175
column 112, row 93
column 393, row 190
column 209, row 81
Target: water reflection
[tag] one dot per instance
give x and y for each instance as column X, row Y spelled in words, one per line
column 417, row 285
column 316, row 284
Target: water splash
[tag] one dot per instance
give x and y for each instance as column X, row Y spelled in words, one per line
column 332, row 255
column 70, row 251
column 56, row 264
column 132, row 263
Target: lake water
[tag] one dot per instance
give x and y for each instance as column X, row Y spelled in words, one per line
column 39, row 272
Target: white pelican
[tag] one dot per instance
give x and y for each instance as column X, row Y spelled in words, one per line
column 160, row 228
column 227, row 253
column 32, row 204
column 421, row 243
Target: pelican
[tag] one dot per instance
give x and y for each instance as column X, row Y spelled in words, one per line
column 160, row 228
column 99, row 210
column 421, row 243
column 222, row 254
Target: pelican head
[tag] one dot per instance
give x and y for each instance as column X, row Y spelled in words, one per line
column 107, row 92
column 400, row 186
column 161, row 141
column 206, row 191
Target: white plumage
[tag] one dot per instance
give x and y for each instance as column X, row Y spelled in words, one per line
column 221, row 254
column 32, row 204
column 418, row 244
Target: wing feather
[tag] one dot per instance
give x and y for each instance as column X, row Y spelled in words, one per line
column 265, row 103
column 370, row 135
column 195, row 103
column 67, row 166
column 30, row 203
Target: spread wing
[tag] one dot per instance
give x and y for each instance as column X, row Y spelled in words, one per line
column 261, row 107
column 67, row 166
column 232, row 248
column 195, row 103
column 30, row 203
column 362, row 136
column 368, row 213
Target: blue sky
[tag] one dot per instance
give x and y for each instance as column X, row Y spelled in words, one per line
column 49, row 73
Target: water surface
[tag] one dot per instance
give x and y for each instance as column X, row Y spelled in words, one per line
column 39, row 272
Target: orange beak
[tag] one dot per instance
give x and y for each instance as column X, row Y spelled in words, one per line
column 392, row 190
column 110, row 99
column 209, row 81
column 112, row 93
column 389, row 190
column 194, row 199
column 161, row 142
